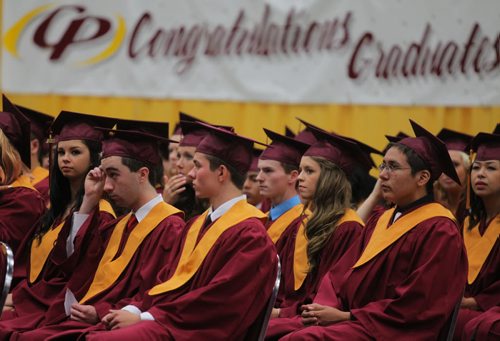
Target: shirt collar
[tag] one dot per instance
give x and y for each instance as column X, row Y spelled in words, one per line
column 214, row 215
column 278, row 210
column 147, row 207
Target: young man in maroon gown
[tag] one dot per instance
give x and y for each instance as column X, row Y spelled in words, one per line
column 139, row 243
column 226, row 263
column 394, row 283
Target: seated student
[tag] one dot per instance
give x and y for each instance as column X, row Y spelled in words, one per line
column 484, row 327
column 40, row 124
column 481, row 233
column 447, row 192
column 394, row 282
column 226, row 263
column 251, row 185
column 56, row 249
column 311, row 248
column 21, row 206
column 139, row 243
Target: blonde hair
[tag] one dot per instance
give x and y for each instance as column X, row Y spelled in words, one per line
column 10, row 161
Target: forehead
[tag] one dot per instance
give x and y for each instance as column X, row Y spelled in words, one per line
column 395, row 155
column 200, row 158
column 308, row 161
column 186, row 149
column 269, row 164
column 71, row 144
column 112, row 162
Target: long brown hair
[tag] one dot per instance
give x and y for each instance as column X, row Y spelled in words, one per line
column 10, row 161
column 329, row 203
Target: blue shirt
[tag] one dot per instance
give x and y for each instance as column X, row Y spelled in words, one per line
column 278, row 210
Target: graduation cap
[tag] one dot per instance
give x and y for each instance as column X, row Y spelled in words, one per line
column 255, row 160
column 289, row 132
column 365, row 148
column 306, row 135
column 486, row 146
column 138, row 140
column 70, row 125
column 454, row 140
column 193, row 132
column 226, row 145
column 344, row 153
column 432, row 151
column 16, row 127
column 283, row 149
column 397, row 138
column 40, row 122
column 184, row 117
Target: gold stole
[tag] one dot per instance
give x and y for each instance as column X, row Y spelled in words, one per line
column 479, row 247
column 40, row 251
column 300, row 260
column 39, row 174
column 384, row 235
column 279, row 225
column 109, row 270
column 193, row 255
column 22, row 181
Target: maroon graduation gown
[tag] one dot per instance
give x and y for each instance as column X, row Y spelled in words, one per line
column 485, row 327
column 20, row 210
column 43, row 188
column 138, row 276
column 223, row 298
column 32, row 300
column 404, row 292
column 486, row 287
column 289, row 300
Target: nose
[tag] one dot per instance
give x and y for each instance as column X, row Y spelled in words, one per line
column 383, row 174
column 300, row 178
column 192, row 173
column 259, row 176
column 108, row 186
column 246, row 184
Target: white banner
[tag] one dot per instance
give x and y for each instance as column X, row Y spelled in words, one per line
column 399, row 52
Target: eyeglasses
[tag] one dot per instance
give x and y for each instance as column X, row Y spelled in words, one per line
column 390, row 168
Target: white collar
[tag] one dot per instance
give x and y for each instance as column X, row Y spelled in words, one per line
column 147, row 207
column 214, row 215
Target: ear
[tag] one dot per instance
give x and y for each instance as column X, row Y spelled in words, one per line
column 293, row 176
column 222, row 173
column 35, row 146
column 424, row 177
column 143, row 173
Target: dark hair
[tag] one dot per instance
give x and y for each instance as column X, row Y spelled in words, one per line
column 288, row 168
column 237, row 178
column 362, row 184
column 60, row 191
column 39, row 156
column 416, row 163
column 154, row 171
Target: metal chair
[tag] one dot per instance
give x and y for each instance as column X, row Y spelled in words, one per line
column 453, row 321
column 270, row 303
column 6, row 271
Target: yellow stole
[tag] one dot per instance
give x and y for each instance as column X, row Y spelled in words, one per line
column 300, row 260
column 38, row 174
column 40, row 251
column 109, row 270
column 479, row 247
column 385, row 235
column 22, row 181
column 279, row 226
column 193, row 255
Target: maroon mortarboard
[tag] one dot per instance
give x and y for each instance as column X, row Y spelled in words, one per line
column 139, row 142
column 432, row 151
column 344, row 153
column 368, row 150
column 394, row 139
column 70, row 125
column 497, row 129
column 184, row 117
column 486, row 146
column 306, row 135
column 289, row 132
column 226, row 145
column 283, row 149
column 193, row 132
column 16, row 127
column 40, row 122
column 454, row 140
column 255, row 160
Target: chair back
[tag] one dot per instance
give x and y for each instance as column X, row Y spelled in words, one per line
column 6, row 271
column 270, row 303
